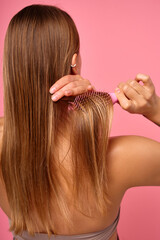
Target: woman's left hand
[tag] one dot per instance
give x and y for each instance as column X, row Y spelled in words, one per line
column 70, row 85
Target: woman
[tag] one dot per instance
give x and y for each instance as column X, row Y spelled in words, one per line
column 60, row 172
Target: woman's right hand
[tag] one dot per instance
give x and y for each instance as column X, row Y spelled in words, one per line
column 142, row 99
column 70, row 85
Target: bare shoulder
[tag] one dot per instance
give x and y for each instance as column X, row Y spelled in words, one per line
column 134, row 161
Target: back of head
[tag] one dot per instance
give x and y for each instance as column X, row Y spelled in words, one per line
column 39, row 45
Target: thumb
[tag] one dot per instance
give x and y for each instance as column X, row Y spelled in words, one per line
column 145, row 79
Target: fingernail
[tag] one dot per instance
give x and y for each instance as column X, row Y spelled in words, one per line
column 52, row 90
column 117, row 90
column 54, row 97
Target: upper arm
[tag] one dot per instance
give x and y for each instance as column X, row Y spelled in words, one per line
column 134, row 161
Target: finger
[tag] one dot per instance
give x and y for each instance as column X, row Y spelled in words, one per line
column 84, row 88
column 146, row 80
column 131, row 93
column 67, row 90
column 63, row 81
column 121, row 84
column 124, row 102
column 137, row 86
column 141, row 90
column 70, row 92
column 79, row 90
column 132, row 83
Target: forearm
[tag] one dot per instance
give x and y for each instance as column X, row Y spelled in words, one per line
column 154, row 115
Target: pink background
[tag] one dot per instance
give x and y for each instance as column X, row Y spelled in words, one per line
column 118, row 40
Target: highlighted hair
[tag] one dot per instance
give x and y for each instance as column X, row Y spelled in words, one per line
column 39, row 45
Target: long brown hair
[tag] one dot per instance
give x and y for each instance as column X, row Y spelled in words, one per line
column 39, row 45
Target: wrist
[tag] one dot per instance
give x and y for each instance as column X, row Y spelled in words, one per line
column 154, row 115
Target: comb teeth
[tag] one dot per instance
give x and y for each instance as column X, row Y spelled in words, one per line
column 80, row 100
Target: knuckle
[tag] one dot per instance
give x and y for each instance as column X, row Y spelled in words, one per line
column 129, row 81
column 126, row 88
column 121, row 84
column 142, row 104
column 148, row 79
column 68, row 79
column 89, row 83
column 84, row 80
column 85, row 90
column 68, row 92
column 147, row 76
column 133, row 83
column 126, row 105
column 64, row 78
column 73, row 84
column 148, row 96
column 78, row 78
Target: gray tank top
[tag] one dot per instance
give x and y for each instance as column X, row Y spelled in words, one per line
column 104, row 234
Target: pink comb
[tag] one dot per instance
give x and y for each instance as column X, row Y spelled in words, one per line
column 84, row 98
column 114, row 98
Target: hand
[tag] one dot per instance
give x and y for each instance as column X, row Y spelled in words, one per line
column 136, row 98
column 70, row 85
